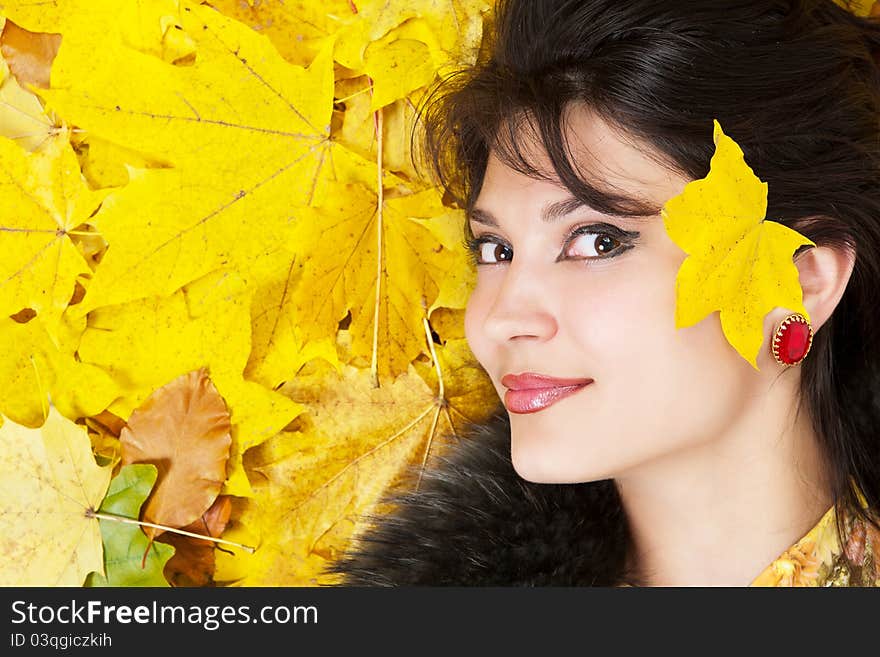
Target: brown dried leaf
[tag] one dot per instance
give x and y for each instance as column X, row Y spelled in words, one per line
column 106, row 422
column 193, row 560
column 29, row 54
column 183, row 429
column 104, row 429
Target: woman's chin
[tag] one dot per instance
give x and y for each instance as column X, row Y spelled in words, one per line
column 539, row 464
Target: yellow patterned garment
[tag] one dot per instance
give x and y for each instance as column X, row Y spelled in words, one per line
column 818, row 559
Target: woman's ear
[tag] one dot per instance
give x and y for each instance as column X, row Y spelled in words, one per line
column 824, row 272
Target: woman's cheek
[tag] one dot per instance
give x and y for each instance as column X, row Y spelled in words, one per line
column 473, row 322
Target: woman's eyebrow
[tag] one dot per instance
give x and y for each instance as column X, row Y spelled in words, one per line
column 550, row 213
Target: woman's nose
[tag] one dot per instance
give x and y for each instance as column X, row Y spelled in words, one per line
column 521, row 306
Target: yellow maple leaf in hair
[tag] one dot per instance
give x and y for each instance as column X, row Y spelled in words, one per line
column 738, row 263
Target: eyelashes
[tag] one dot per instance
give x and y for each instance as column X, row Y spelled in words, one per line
column 625, row 241
column 474, row 246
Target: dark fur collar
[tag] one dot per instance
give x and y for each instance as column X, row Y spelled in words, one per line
column 475, row 522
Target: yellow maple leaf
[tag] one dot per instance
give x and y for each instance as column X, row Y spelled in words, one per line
column 297, row 29
column 49, row 481
column 312, row 485
column 323, row 479
column 148, row 27
column 144, row 344
column 387, row 289
column 151, row 26
column 279, row 348
column 460, row 278
column 356, row 130
column 245, row 132
column 40, row 263
column 398, row 65
column 738, row 263
column 461, row 381
column 452, row 29
column 449, row 30
column 34, row 371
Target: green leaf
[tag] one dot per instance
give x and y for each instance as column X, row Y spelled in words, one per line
column 124, row 543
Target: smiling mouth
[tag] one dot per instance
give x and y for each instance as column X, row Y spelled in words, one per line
column 532, row 400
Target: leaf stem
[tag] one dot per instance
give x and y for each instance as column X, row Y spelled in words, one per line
column 130, row 521
column 441, row 393
column 350, row 96
column 43, row 396
column 428, row 444
column 379, row 228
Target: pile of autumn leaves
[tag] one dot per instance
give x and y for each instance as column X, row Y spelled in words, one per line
column 228, row 303
column 181, row 435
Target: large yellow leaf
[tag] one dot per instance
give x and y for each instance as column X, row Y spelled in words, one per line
column 247, row 135
column 49, row 481
column 355, row 443
column 738, row 262
column 278, row 347
column 40, row 262
column 386, row 288
column 34, row 371
column 106, row 17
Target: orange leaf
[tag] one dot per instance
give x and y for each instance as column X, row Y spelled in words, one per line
column 183, row 429
column 193, row 560
column 107, row 422
column 29, row 54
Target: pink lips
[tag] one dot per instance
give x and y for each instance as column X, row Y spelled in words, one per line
column 530, row 392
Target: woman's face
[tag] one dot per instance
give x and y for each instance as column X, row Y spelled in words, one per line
column 599, row 305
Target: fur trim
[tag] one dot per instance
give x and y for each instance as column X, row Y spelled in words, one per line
column 475, row 522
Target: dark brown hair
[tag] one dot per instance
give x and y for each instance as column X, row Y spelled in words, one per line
column 794, row 82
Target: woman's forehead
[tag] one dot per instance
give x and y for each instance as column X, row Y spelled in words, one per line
column 608, row 153
column 599, row 151
column 606, row 156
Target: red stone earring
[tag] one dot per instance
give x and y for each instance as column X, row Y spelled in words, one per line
column 792, row 340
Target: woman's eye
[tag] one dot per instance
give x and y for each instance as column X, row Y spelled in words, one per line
column 483, row 251
column 595, row 245
column 583, row 246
